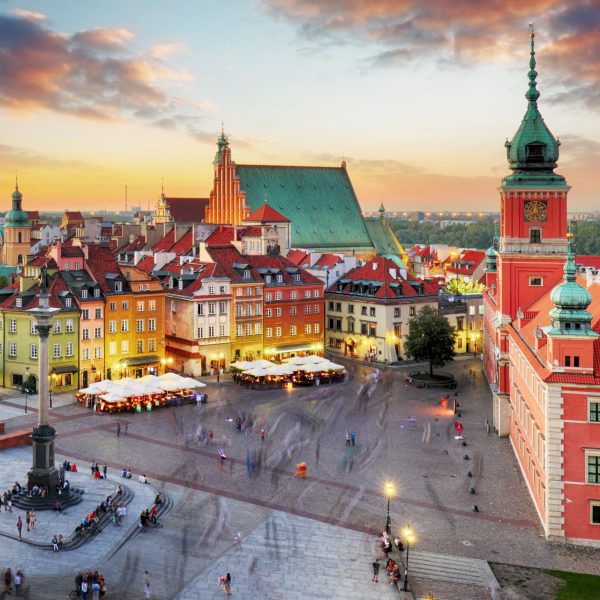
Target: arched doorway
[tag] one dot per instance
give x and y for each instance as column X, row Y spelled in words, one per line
column 84, row 379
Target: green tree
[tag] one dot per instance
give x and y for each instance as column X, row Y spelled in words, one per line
column 458, row 287
column 430, row 338
column 3, row 282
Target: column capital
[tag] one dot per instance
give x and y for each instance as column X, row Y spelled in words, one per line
column 44, row 330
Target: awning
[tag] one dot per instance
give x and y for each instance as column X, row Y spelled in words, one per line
column 296, row 348
column 141, row 360
column 64, row 369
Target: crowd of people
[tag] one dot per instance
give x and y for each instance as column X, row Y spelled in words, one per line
column 6, row 498
column 90, row 585
column 90, row 523
column 149, row 517
column 392, row 568
column 17, row 579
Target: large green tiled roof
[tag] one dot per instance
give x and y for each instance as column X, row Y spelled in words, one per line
column 319, row 201
column 383, row 237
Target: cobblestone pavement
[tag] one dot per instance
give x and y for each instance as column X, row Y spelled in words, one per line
column 402, row 435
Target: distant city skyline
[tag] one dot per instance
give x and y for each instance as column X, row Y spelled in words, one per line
column 417, row 98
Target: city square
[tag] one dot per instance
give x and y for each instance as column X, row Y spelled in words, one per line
column 403, row 434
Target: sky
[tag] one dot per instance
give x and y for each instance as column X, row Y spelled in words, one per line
column 417, row 96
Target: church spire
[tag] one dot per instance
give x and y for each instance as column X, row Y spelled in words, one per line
column 532, row 93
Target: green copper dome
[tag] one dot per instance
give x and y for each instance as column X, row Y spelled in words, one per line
column 533, row 152
column 16, row 217
column 490, row 253
column 222, row 142
column 570, row 299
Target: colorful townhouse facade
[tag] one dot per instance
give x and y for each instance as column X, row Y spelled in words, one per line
column 542, row 343
column 368, row 310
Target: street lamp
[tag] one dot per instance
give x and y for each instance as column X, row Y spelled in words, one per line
column 25, row 388
column 389, row 490
column 409, row 538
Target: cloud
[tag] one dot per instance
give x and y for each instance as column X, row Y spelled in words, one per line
column 13, row 157
column 29, row 14
column 462, row 32
column 92, row 74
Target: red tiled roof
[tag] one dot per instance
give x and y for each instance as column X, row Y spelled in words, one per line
column 466, row 263
column 266, row 214
column 328, row 261
column 165, row 243
column 588, row 261
column 201, row 271
column 222, row 236
column 184, row 245
column 39, row 261
column 187, row 210
column 71, row 251
column 378, row 270
column 146, row 264
column 34, row 215
column 100, row 261
column 73, row 214
column 299, row 257
column 254, row 231
column 225, row 256
column 137, row 243
column 281, row 263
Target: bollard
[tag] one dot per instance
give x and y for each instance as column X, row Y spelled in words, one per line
column 466, row 457
column 471, row 490
column 475, row 508
column 469, row 474
column 464, row 443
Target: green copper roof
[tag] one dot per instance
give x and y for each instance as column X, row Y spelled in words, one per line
column 570, row 300
column 396, row 260
column 533, row 152
column 222, row 142
column 383, row 238
column 319, row 201
column 16, row 217
column 490, row 253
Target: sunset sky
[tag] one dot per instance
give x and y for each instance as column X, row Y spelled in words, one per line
column 417, row 96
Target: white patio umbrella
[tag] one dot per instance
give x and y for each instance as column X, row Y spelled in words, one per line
column 333, row 367
column 170, row 386
column 296, row 360
column 189, row 382
column 89, row 390
column 257, row 372
column 261, row 363
column 280, row 370
column 147, row 388
column 112, row 397
column 165, row 376
column 241, row 364
column 314, row 368
column 152, row 378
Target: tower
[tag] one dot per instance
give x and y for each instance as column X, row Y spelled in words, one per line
column 17, row 233
column 227, row 204
column 533, row 210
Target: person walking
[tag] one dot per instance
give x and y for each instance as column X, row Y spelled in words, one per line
column 227, row 585
column 33, row 517
column 8, row 579
column 118, row 429
column 93, row 470
column 95, row 590
column 55, row 543
column 84, row 589
column 19, row 526
column 126, row 427
column 262, row 434
column 147, row 589
column 353, row 437
column 376, row 571
column 105, row 471
column 347, row 438
column 19, row 578
column 28, row 520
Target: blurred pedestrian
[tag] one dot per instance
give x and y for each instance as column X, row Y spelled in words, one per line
column 118, row 429
column 105, row 471
column 8, row 579
column 353, row 436
column 375, row 571
column 347, row 438
column 147, row 589
column 19, row 526
column 19, row 578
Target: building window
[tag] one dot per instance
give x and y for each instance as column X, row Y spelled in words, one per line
column 397, row 313
column 338, row 306
column 33, row 351
column 221, row 330
column 17, row 379
column 535, row 236
column 277, row 312
column 576, row 361
column 246, row 274
column 372, row 311
column 536, row 281
column 223, row 308
column 277, row 331
column 277, row 295
column 151, row 345
column 85, row 334
column 307, row 294
column 212, row 308
column 248, row 328
column 372, row 329
column 268, row 297
column 595, row 513
column 12, row 349
column 96, row 293
column 269, row 332
column 140, row 306
column 593, row 468
column 363, row 310
column 330, row 323
column 200, row 310
column 139, row 325
column 222, row 289
column 97, row 333
column 293, row 311
column 112, row 327
column 350, row 326
column 69, row 326
column 211, row 331
column 69, row 349
column 19, row 302
column 125, row 305
column 125, row 347
column 412, row 311
column 57, row 351
column 256, row 328
column 98, row 313
column 85, row 354
column 257, row 309
column 315, row 293
column 293, row 330
column 68, row 302
column 330, row 305
column 364, row 330
column 151, row 324
column 239, row 331
column 316, row 309
column 12, row 325
column 124, row 325
column 316, row 328
column 118, row 286
column 84, row 294
column 33, row 328
column 307, row 328
column 151, row 304
column 594, row 408
column 268, row 312
column 248, row 310
column 211, row 289
column 112, row 348
column 279, row 278
column 112, row 306
column 292, row 295
column 98, row 352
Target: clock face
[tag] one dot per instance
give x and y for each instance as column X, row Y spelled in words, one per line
column 536, row 210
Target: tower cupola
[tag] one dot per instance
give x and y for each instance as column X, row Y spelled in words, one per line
column 16, row 216
column 533, row 151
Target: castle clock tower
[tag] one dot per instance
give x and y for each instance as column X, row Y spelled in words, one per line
column 533, row 211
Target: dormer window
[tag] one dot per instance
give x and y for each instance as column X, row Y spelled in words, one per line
column 180, row 284
column 84, row 294
column 97, row 293
column 267, row 279
column 246, row 273
column 68, row 302
column 535, row 152
column 170, row 283
column 296, row 277
column 279, row 278
column 19, row 302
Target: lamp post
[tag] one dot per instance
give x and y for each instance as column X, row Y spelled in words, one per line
column 25, row 388
column 50, row 397
column 409, row 537
column 389, row 490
